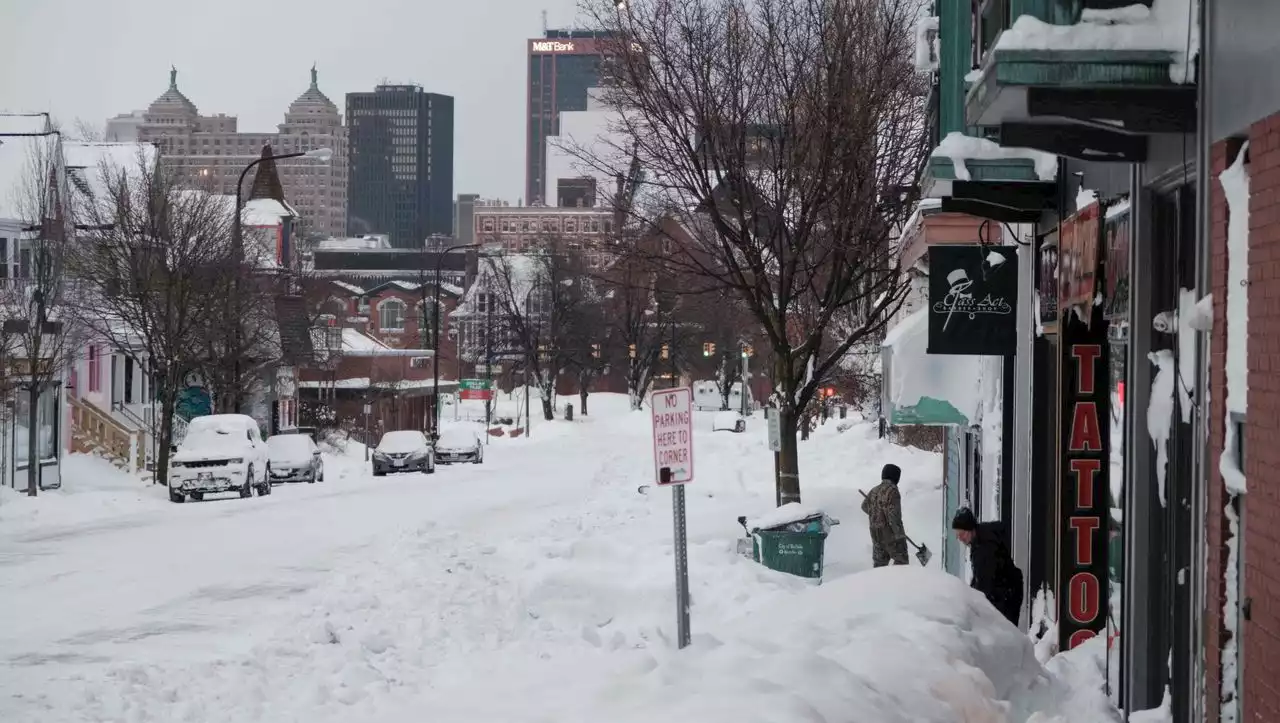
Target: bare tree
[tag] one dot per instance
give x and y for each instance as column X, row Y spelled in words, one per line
column 590, row 352
column 783, row 135
column 151, row 276
column 541, row 293
column 640, row 319
column 42, row 343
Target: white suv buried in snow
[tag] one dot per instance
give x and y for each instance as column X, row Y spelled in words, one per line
column 220, row 453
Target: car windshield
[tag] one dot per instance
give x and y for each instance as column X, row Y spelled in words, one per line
column 289, row 446
column 214, row 438
column 402, row 441
column 456, row 438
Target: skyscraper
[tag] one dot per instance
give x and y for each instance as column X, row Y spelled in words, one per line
column 562, row 67
column 401, row 164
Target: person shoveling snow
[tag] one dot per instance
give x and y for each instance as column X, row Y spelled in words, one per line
column 994, row 572
column 883, row 505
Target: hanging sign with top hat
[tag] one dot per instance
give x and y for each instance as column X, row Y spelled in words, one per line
column 973, row 299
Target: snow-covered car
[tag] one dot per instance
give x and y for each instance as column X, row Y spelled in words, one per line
column 728, row 422
column 403, row 450
column 294, row 458
column 220, row 453
column 459, row 444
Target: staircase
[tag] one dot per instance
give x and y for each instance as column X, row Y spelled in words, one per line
column 149, row 428
column 94, row 431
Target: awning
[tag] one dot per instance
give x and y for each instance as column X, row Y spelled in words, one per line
column 922, row 388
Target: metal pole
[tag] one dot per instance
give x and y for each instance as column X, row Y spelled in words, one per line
column 366, row 432
column 488, row 360
column 435, row 340
column 682, row 566
column 528, row 423
column 744, row 383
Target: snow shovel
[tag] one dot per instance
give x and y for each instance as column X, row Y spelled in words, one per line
column 922, row 551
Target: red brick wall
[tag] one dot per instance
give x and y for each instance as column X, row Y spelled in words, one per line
column 1262, row 465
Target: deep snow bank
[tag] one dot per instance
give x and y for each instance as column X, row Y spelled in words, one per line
column 894, row 644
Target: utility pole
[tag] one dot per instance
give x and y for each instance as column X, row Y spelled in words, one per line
column 488, row 363
column 745, row 374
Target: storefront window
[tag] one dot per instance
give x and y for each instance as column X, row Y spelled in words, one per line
column 46, row 421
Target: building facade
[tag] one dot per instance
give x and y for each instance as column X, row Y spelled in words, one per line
column 464, row 225
column 213, row 152
column 515, row 229
column 400, row 164
column 563, row 66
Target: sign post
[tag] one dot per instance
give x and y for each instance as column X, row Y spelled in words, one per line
column 672, row 411
column 367, row 409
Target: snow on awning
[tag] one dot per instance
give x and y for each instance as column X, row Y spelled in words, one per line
column 922, row 388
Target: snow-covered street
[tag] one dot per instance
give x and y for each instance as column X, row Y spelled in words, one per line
column 537, row 586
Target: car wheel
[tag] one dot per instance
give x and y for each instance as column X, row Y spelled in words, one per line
column 315, row 474
column 740, row 427
column 264, row 488
column 431, row 467
column 378, row 473
column 176, row 497
column 479, row 457
column 247, row 489
column 321, row 478
column 197, row 496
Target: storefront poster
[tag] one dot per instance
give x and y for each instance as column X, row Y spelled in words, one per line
column 973, row 297
column 1116, row 232
column 1078, row 259
column 1048, row 287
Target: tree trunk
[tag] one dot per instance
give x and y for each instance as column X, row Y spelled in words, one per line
column 548, row 407
column 788, row 471
column 168, row 405
column 33, row 456
column 582, row 397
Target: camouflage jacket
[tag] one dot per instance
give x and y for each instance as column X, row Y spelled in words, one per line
column 883, row 504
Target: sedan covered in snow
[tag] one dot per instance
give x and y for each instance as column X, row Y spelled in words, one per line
column 220, row 453
column 459, row 444
column 404, row 450
column 728, row 422
column 293, row 458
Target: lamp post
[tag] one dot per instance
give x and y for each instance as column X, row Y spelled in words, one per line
column 435, row 337
column 237, row 239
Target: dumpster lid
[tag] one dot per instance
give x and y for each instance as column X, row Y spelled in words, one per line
column 785, row 515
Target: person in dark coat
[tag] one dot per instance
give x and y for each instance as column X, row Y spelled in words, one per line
column 994, row 573
column 883, row 505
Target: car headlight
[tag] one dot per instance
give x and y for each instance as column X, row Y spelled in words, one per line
column 177, row 465
column 379, row 455
column 237, row 460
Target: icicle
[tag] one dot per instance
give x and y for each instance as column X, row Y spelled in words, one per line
column 1160, row 413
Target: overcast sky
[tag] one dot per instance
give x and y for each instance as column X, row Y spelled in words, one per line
column 93, row 59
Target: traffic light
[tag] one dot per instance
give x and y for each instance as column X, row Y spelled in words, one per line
column 709, row 349
column 747, row 350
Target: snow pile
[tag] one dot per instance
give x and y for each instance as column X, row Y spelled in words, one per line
column 92, row 489
column 1168, row 25
column 915, row 374
column 960, row 148
column 941, row 654
column 927, row 44
column 1160, row 413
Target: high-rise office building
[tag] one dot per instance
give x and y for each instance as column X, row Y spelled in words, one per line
column 562, row 67
column 401, row 164
column 464, row 213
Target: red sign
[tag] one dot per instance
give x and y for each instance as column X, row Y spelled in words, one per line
column 1078, row 240
column 479, row 394
column 1085, row 494
column 672, row 435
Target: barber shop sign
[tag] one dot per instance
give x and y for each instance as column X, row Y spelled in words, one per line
column 973, row 300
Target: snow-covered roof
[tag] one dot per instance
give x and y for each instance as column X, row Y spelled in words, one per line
column 448, row 288
column 365, row 382
column 349, row 287
column 24, row 123
column 959, row 148
column 1165, row 26
column 17, row 156
column 85, row 161
column 354, row 243
column 523, row 271
column 915, row 374
column 353, row 340
column 265, row 212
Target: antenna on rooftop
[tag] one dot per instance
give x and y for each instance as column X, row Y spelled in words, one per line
column 544, row 22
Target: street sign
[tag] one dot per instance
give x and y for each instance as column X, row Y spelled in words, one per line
column 488, row 369
column 775, row 428
column 479, row 389
column 368, row 408
column 672, row 411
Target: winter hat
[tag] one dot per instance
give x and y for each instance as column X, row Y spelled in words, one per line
column 964, row 520
column 891, row 473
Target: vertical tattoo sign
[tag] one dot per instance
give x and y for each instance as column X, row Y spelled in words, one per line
column 1084, row 479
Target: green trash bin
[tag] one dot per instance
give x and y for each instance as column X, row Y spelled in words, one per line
column 795, row 553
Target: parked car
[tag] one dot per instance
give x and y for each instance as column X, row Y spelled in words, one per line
column 312, row 432
column 728, row 422
column 460, row 444
column 404, row 450
column 220, row 453
column 294, row 458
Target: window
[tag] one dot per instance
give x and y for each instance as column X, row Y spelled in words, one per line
column 570, row 226
column 95, row 369
column 391, row 315
column 427, row 323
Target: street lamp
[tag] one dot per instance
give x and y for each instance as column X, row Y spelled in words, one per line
column 237, row 238
column 435, row 339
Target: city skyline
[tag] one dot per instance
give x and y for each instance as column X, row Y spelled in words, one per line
column 489, row 86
